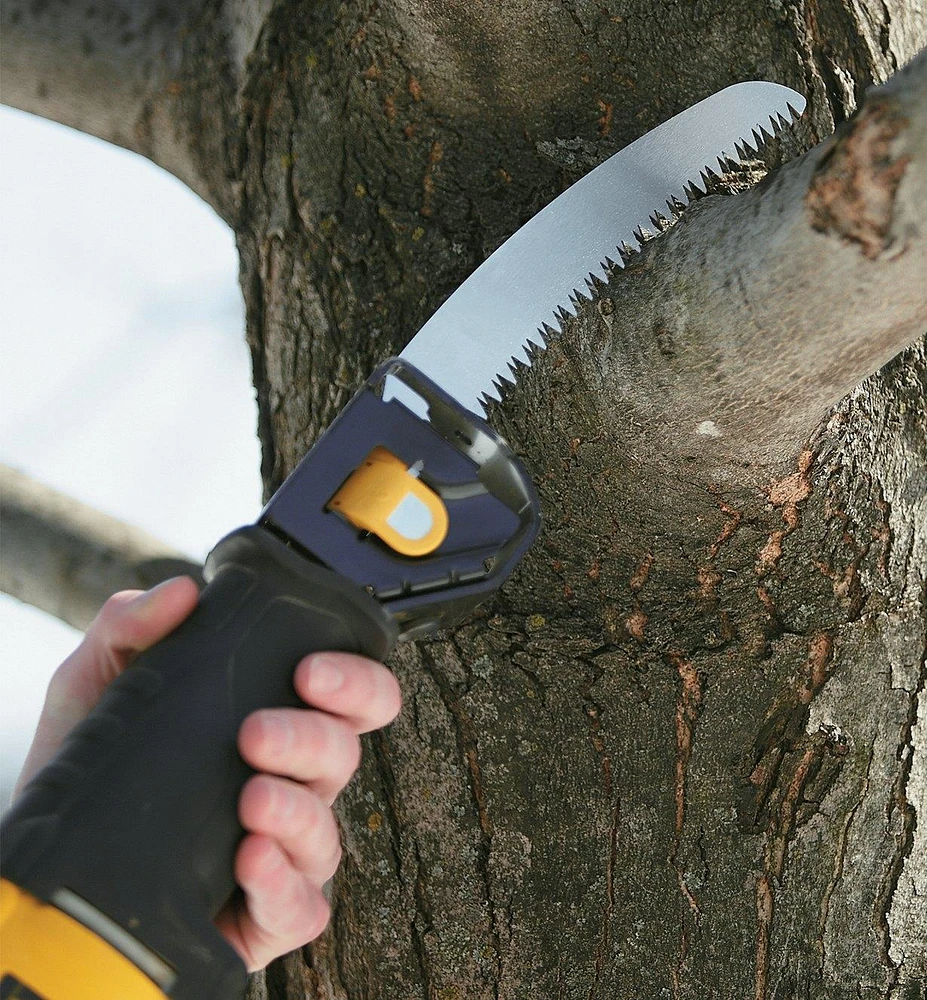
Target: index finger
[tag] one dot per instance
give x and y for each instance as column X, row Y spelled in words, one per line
column 362, row 692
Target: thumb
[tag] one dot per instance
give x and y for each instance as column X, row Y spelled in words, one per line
column 128, row 623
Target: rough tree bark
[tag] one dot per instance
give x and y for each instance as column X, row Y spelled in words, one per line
column 683, row 754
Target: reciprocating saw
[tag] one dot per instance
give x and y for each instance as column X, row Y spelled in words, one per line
column 408, row 512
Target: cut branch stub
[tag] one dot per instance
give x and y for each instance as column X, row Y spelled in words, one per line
column 852, row 192
column 729, row 336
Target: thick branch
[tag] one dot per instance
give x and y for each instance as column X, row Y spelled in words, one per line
column 154, row 76
column 756, row 313
column 67, row 558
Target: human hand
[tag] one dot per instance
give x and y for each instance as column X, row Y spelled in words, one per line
column 304, row 758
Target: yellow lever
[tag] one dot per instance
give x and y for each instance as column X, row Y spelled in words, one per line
column 388, row 499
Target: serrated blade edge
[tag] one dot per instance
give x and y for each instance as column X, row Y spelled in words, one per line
column 489, row 321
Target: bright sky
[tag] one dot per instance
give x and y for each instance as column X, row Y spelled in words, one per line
column 125, row 379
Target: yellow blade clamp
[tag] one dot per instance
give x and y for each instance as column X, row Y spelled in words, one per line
column 388, row 499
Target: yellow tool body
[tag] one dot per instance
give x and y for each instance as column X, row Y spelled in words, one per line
column 47, row 954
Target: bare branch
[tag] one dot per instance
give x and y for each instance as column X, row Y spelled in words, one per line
column 741, row 325
column 159, row 77
column 103, row 68
column 67, row 558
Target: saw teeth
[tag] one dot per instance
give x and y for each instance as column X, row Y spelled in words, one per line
column 534, row 350
column 548, row 333
column 535, row 342
column 693, row 192
column 746, row 148
column 625, row 253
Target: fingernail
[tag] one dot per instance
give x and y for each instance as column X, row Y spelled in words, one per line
column 141, row 602
column 324, row 676
column 146, row 595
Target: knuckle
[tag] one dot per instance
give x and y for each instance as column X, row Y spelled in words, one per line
column 329, row 834
column 334, row 737
column 320, row 852
column 385, row 698
column 266, row 738
column 345, row 757
column 318, row 734
column 113, row 609
column 382, row 699
column 319, row 818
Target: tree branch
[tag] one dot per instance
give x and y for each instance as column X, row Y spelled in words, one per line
column 158, row 77
column 67, row 558
column 731, row 334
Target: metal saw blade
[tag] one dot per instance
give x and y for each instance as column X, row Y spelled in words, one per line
column 491, row 320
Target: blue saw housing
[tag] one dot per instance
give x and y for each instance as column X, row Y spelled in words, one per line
column 493, row 509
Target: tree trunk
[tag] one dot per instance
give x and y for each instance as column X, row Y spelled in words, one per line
column 683, row 753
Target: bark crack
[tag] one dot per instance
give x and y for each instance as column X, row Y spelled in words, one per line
column 783, row 733
column 610, row 868
column 904, row 837
column 421, row 920
column 793, row 770
column 839, row 860
column 689, row 704
column 467, row 743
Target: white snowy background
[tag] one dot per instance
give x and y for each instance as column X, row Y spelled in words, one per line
column 124, row 378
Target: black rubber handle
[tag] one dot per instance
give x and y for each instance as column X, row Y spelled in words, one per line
column 137, row 812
